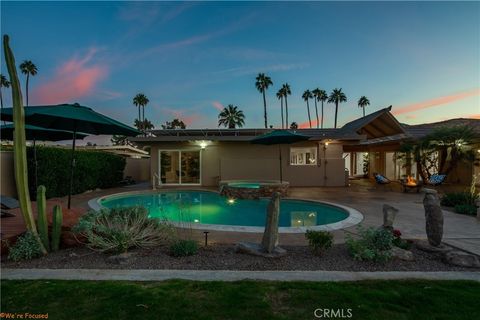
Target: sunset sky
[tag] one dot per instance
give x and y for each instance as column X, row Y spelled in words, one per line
column 191, row 59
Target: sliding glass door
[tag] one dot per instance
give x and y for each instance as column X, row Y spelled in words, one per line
column 179, row 167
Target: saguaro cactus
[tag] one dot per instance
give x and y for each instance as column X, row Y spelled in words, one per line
column 19, row 144
column 42, row 222
column 56, row 227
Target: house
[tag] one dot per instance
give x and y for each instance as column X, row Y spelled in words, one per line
column 207, row 156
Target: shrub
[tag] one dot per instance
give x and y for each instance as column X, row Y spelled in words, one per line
column 120, row 229
column 319, row 240
column 373, row 244
column 183, row 248
column 468, row 209
column 93, row 169
column 398, row 241
column 26, row 248
column 453, row 199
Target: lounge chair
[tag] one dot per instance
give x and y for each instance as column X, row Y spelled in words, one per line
column 381, row 179
column 9, row 202
column 436, row 179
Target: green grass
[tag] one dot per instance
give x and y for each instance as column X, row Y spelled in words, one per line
column 241, row 300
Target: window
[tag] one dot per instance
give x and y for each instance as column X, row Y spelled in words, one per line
column 180, row 167
column 303, row 156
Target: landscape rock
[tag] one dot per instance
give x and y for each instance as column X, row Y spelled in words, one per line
column 427, row 247
column 462, row 259
column 122, row 258
column 389, row 214
column 433, row 217
column 270, row 235
column 402, row 254
column 258, row 250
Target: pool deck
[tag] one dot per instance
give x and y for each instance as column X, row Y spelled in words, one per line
column 459, row 230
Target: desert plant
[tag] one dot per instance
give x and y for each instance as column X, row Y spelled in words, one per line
column 57, row 221
column 19, row 145
column 373, row 244
column 452, row 199
column 27, row 247
column 468, row 209
column 42, row 222
column 183, row 248
column 319, row 241
column 120, row 229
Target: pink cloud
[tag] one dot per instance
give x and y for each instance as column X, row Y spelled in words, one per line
column 436, row 102
column 306, row 124
column 218, row 105
column 189, row 119
column 73, row 80
column 411, row 116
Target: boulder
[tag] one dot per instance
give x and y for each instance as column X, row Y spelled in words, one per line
column 427, row 247
column 270, row 235
column 122, row 258
column 433, row 217
column 462, row 259
column 389, row 214
column 402, row 254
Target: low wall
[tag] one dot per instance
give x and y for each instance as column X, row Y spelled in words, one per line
column 138, row 169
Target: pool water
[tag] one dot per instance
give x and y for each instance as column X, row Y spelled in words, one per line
column 249, row 185
column 204, row 207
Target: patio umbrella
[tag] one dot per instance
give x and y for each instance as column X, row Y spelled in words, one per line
column 71, row 117
column 34, row 133
column 279, row 137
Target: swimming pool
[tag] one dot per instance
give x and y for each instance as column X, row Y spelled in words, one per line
column 210, row 211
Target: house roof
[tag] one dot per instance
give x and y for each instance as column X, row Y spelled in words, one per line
column 376, row 125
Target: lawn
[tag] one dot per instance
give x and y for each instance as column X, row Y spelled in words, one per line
column 180, row 299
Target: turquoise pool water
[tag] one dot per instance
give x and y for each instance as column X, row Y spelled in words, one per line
column 205, row 207
column 249, row 185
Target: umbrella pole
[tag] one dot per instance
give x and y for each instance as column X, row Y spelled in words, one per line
column 72, row 165
column 280, row 158
column 35, row 164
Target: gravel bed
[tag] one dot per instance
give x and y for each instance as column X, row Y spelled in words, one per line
column 224, row 257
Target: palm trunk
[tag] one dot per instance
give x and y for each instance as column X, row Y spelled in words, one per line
column 143, row 113
column 309, row 119
column 363, row 111
column 286, row 112
column 139, row 115
column 316, row 112
column 336, row 112
column 322, row 114
column 281, row 107
column 265, row 108
column 1, row 103
column 26, row 87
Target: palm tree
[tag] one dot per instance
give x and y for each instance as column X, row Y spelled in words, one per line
column 322, row 96
column 4, row 83
column 362, row 103
column 280, row 95
column 316, row 94
column 262, row 83
column 336, row 97
column 293, row 126
column 231, row 117
column 140, row 101
column 27, row 67
column 286, row 92
column 306, row 96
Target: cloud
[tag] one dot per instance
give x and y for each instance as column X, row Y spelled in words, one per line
column 306, row 124
column 72, row 80
column 432, row 103
column 217, row 105
column 189, row 120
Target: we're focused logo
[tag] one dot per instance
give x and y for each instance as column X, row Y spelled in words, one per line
column 321, row 313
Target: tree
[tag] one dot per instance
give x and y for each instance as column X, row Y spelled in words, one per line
column 231, row 117
column 280, row 95
column 120, row 140
column 317, row 94
column 262, row 83
column 294, row 126
column 287, row 92
column 140, row 101
column 27, row 67
column 362, row 103
column 440, row 151
column 306, row 96
column 4, row 83
column 143, row 125
column 337, row 96
column 174, row 124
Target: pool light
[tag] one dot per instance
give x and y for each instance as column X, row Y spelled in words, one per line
column 231, row 201
column 196, row 220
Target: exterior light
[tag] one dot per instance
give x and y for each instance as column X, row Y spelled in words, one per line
column 203, row 144
column 299, row 221
column 326, row 143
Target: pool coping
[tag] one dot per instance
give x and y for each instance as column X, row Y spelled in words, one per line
column 354, row 216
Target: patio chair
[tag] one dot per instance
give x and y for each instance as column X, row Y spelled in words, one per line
column 436, row 179
column 382, row 180
column 9, row 202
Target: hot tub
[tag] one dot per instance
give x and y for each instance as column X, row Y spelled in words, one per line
column 249, row 189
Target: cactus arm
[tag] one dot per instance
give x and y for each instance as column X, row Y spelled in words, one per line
column 56, row 227
column 42, row 221
column 19, row 144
